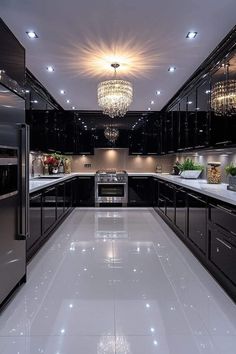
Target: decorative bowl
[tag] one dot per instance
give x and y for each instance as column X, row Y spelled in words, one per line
column 191, row 174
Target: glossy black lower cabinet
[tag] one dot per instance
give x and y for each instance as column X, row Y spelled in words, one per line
column 35, row 220
column 85, row 191
column 197, row 220
column 181, row 209
column 60, row 199
column 49, row 208
column 170, row 202
column 223, row 252
column 140, row 191
column 68, row 194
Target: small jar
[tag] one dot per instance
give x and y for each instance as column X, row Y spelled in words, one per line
column 214, row 172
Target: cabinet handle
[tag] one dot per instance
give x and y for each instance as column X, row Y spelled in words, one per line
column 84, row 177
column 49, row 190
column 35, row 196
column 230, row 211
column 223, row 243
column 195, row 197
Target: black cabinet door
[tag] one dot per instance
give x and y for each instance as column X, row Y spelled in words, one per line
column 85, row 191
column 197, row 221
column 137, row 141
column 68, row 195
column 35, row 219
column 60, row 199
column 155, row 192
column 170, row 201
column 49, row 208
column 223, row 252
column 181, row 209
column 140, row 191
column 161, row 197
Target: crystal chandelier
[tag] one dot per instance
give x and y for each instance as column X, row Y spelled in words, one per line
column 115, row 96
column 223, row 97
column 111, row 134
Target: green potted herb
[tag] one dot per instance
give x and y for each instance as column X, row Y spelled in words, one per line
column 231, row 171
column 190, row 169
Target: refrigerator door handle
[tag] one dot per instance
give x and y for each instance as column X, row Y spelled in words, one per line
column 23, row 222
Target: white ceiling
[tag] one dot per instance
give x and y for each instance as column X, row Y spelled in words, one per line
column 79, row 38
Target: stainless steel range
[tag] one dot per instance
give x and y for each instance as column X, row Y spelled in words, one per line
column 111, row 187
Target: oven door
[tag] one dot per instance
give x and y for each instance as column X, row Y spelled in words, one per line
column 111, row 190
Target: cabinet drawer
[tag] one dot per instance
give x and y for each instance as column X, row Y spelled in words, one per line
column 223, row 252
column 224, row 216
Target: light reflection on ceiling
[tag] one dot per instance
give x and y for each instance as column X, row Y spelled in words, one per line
column 93, row 58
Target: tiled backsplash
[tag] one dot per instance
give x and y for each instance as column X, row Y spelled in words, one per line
column 117, row 159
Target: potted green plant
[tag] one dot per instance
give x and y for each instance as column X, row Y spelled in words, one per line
column 231, row 171
column 190, row 169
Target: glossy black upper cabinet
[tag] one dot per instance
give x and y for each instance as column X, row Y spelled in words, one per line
column 202, row 131
column 12, row 55
column 137, row 141
column 153, row 134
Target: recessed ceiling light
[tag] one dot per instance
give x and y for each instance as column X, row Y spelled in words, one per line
column 27, row 91
column 190, row 102
column 67, row 101
column 149, row 109
column 191, row 35
column 73, row 107
column 171, row 69
column 50, row 69
column 62, row 92
column 158, row 93
column 152, row 102
column 207, row 91
column 31, row 34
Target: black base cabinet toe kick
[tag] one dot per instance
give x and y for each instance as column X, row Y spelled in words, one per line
column 207, row 227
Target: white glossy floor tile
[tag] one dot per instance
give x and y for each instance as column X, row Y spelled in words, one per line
column 117, row 281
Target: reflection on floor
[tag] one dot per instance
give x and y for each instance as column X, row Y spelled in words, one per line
column 117, row 281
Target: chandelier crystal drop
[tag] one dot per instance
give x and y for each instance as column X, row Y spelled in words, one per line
column 111, row 134
column 115, row 96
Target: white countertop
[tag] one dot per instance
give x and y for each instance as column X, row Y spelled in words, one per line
column 218, row 191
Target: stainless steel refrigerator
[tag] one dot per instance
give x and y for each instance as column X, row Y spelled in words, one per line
column 14, row 181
